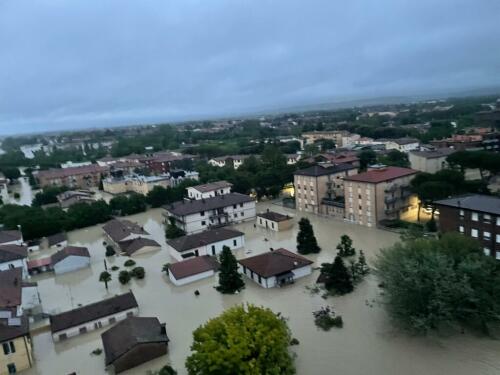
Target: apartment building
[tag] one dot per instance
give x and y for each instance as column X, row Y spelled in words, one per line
column 430, row 161
column 379, row 194
column 194, row 216
column 209, row 190
column 335, row 135
column 75, row 177
column 144, row 184
column 320, row 189
column 473, row 215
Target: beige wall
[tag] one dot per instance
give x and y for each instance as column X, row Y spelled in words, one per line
column 429, row 165
column 22, row 358
column 137, row 186
column 277, row 226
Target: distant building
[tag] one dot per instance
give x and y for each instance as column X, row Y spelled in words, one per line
column 473, row 215
column 71, row 197
column 69, row 259
column 58, row 240
column 335, row 135
column 134, row 341
column 11, row 237
column 70, row 164
column 274, row 221
column 129, row 237
column 209, row 242
column 320, row 189
column 94, row 316
column 347, row 157
column 14, row 256
column 402, row 144
column 275, row 268
column 194, row 216
column 144, row 184
column 378, row 194
column 191, row 270
column 74, row 177
column 292, row 158
column 430, row 161
column 209, row 190
column 233, row 160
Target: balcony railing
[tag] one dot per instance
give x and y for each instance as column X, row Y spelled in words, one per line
column 333, row 202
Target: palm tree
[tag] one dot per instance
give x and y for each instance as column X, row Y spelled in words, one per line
column 105, row 278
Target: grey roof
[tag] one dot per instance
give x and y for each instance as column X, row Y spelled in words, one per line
column 193, row 266
column 274, row 262
column 439, row 153
column 484, row 203
column 318, row 170
column 274, row 216
column 131, row 246
column 56, row 238
column 69, row 251
column 205, row 188
column 93, row 311
column 129, row 333
column 9, row 253
column 404, row 141
column 207, row 237
column 120, row 229
column 184, row 207
column 10, row 235
column 10, row 331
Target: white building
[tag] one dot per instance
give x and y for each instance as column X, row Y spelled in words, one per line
column 209, row 242
column 191, row 270
column 194, row 216
column 234, row 160
column 14, row 256
column 70, row 164
column 431, row 161
column 275, row 268
column 94, row 316
column 69, row 259
column 402, row 144
column 209, row 190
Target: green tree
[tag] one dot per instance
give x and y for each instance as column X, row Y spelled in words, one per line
column 366, row 158
column 105, row 277
column 396, row 158
column 337, row 277
column 243, row 340
column 138, row 273
column 429, row 283
column 306, row 241
column 11, row 173
column 344, row 248
column 158, row 196
column 172, row 230
column 230, row 280
column 124, row 277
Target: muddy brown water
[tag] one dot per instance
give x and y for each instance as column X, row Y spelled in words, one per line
column 368, row 343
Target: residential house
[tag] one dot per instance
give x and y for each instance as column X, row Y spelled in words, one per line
column 15, row 339
column 402, row 144
column 165, row 161
column 75, row 177
column 144, row 184
column 94, row 316
column 58, row 240
column 292, row 158
column 335, row 135
column 275, row 268
column 378, row 194
column 14, row 256
column 69, row 259
column 473, row 215
column 347, row 157
column 461, row 142
column 209, row 190
column 209, row 242
column 320, row 189
column 193, row 269
column 129, row 237
column 11, row 237
column 274, row 221
column 430, row 161
column 194, row 216
column 233, row 160
column 71, row 197
column 134, row 341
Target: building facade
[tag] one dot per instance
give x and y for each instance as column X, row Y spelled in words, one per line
column 209, row 190
column 75, row 177
column 274, row 221
column 430, row 161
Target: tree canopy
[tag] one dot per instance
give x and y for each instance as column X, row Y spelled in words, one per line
column 230, row 280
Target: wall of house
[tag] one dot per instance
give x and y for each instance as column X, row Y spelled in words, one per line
column 90, row 326
column 18, row 263
column 146, row 249
column 274, row 225
column 22, row 358
column 270, row 282
column 195, row 194
column 428, row 165
column 190, row 279
column 71, row 263
column 141, row 353
column 207, row 249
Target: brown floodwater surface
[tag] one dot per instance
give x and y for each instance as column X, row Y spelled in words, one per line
column 368, row 343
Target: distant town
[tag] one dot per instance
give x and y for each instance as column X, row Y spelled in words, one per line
column 117, row 244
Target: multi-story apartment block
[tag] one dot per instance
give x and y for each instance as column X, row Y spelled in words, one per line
column 194, row 216
column 74, row 177
column 319, row 189
column 476, row 216
column 335, row 135
column 144, row 184
column 382, row 193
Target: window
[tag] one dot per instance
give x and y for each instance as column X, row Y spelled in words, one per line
column 203, row 222
column 202, row 213
column 461, row 228
column 112, row 320
column 497, row 256
column 474, row 233
column 11, row 368
column 235, row 215
column 498, row 238
column 359, row 196
column 261, row 221
column 487, row 218
column 241, row 204
column 130, row 313
column 486, row 251
column 272, row 225
column 475, row 216
column 6, row 348
column 235, row 242
column 11, row 266
column 63, row 337
column 234, row 206
column 462, row 214
column 498, row 220
column 242, row 214
column 486, row 235
column 83, row 330
column 260, row 279
column 97, row 325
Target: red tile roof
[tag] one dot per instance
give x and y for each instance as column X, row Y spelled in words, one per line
column 381, row 175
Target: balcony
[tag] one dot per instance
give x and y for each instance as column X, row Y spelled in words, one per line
column 335, row 202
column 389, row 200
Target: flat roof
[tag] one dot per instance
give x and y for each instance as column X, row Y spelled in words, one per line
column 376, row 176
column 211, row 186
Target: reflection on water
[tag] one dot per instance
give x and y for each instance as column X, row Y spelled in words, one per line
column 367, row 343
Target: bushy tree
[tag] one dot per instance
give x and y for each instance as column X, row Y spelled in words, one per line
column 306, row 241
column 230, row 280
column 337, row 277
column 432, row 282
column 344, row 248
column 105, row 277
column 110, row 251
column 172, row 230
column 243, row 340
column 124, row 277
column 138, row 273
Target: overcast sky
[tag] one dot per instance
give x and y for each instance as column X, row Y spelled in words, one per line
column 73, row 64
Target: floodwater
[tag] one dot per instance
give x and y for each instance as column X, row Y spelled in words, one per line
column 23, row 187
column 368, row 343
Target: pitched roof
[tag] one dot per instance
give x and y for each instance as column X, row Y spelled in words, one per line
column 9, row 253
column 320, row 170
column 274, row 216
column 193, row 266
column 133, row 245
column 69, row 251
column 207, row 237
column 439, row 153
column 56, row 238
column 72, row 171
column 10, row 330
column 476, row 202
column 129, row 333
column 211, row 186
column 35, row 263
column 184, row 207
column 10, row 236
column 404, row 141
column 376, row 176
column 11, row 288
column 120, row 229
column 93, row 311
column 274, row 262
